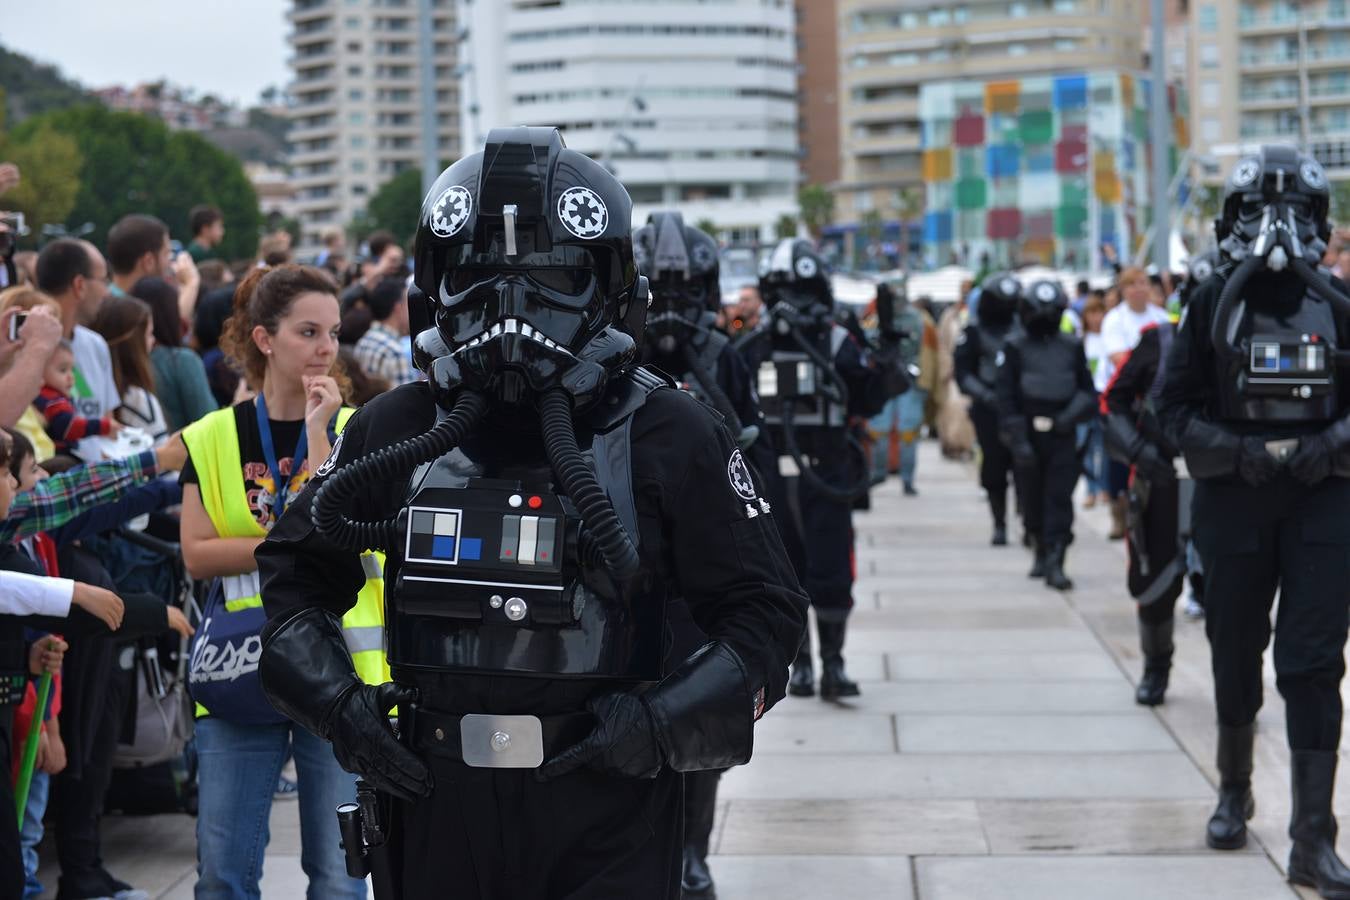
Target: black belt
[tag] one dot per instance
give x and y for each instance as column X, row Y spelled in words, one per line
column 489, row 741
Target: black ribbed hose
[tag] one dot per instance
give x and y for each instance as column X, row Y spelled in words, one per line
column 1322, row 285
column 845, row 494
column 603, row 527
column 334, row 495
column 1218, row 326
column 720, row 401
column 840, row 494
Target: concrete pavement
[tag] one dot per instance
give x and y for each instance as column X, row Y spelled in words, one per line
column 996, row 751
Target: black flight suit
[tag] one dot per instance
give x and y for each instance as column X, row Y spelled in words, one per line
column 1045, row 377
column 1263, row 525
column 826, row 523
column 1254, row 541
column 975, row 366
column 502, row 834
column 1156, row 551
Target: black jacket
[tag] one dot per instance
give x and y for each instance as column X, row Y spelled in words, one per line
column 729, row 567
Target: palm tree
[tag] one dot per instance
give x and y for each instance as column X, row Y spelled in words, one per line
column 817, row 207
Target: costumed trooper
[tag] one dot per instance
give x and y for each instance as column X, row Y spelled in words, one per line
column 1255, row 400
column 1044, row 390
column 975, row 367
column 811, row 376
column 543, row 502
column 1157, row 546
column 681, row 264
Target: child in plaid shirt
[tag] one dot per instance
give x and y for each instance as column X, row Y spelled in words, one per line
column 64, row 427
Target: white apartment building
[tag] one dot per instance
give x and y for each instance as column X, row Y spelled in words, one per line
column 355, row 113
column 1271, row 71
column 692, row 103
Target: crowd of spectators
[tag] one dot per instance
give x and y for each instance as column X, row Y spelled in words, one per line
column 126, row 371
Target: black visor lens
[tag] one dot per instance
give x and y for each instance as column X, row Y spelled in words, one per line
column 567, row 274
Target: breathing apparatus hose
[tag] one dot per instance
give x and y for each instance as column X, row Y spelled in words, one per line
column 838, row 494
column 333, row 496
column 580, row 484
column 1218, row 329
column 720, row 401
column 1319, row 283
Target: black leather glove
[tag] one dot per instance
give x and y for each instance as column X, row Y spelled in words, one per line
column 1255, row 465
column 1312, row 462
column 364, row 744
column 307, row 673
column 701, row 716
column 623, row 744
column 1153, row 466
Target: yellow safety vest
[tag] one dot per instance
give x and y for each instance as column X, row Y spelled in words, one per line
column 213, row 442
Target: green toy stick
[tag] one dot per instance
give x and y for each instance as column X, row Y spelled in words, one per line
column 30, row 746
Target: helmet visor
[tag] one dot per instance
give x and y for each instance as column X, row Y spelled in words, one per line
column 566, row 275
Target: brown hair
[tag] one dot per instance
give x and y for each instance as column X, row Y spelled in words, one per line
column 1129, row 275
column 264, row 298
column 25, row 297
column 122, row 321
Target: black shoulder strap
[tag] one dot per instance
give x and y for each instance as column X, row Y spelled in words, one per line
column 611, row 451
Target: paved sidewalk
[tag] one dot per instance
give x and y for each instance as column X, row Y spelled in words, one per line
column 996, row 751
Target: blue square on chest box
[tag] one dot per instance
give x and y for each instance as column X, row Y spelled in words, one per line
column 471, row 548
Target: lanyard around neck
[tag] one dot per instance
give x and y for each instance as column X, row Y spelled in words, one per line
column 270, row 454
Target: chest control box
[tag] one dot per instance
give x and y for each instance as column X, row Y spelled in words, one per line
column 493, row 552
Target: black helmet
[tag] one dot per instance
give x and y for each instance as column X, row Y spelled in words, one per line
column 795, row 274
column 525, row 253
column 999, row 296
column 681, row 265
column 1277, row 197
column 1042, row 307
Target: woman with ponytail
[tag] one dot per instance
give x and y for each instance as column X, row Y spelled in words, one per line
column 246, row 463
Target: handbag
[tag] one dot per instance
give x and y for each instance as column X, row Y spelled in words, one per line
column 223, row 669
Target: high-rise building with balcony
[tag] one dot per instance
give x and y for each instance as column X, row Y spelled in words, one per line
column 888, row 50
column 1268, row 71
column 692, row 103
column 355, row 102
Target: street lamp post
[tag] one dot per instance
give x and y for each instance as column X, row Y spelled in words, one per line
column 1161, row 127
column 1304, row 113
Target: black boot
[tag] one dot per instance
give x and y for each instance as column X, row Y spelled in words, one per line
column 1227, row 829
column 998, row 508
column 834, row 683
column 802, row 682
column 1038, row 559
column 1312, row 860
column 700, row 800
column 1155, row 642
column 1054, row 567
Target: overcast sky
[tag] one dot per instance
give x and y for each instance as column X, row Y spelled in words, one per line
column 230, row 48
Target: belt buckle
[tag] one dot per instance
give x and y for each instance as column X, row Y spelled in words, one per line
column 501, row 742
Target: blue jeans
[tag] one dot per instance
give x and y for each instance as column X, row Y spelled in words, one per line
column 30, row 832
column 1092, row 439
column 238, row 767
column 904, row 414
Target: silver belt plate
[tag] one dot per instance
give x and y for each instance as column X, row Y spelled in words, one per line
column 501, row 742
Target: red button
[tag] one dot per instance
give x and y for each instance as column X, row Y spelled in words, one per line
column 535, row 502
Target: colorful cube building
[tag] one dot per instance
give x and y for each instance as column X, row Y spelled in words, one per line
column 1039, row 169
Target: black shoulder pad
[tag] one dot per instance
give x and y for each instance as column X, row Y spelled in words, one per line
column 624, row 395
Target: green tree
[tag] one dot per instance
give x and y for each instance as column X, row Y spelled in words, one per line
column 817, row 207
column 785, row 227
column 134, row 164
column 1340, row 202
column 49, row 165
column 395, row 206
column 909, row 205
column 708, row 227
